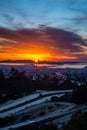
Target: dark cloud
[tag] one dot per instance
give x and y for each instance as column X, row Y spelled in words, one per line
column 64, row 39
column 57, row 40
column 81, row 18
column 79, row 10
column 8, row 18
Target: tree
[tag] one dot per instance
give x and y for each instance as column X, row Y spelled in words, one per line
column 13, row 73
column 1, row 75
column 77, row 122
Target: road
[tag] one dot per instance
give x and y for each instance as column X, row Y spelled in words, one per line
column 15, row 110
column 20, row 101
column 62, row 116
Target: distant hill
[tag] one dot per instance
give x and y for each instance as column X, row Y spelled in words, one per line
column 39, row 62
column 16, row 61
column 59, row 63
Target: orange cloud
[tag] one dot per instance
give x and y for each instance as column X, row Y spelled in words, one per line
column 50, row 44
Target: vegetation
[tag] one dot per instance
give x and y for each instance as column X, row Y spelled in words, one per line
column 17, row 85
column 40, row 126
column 79, row 95
column 42, row 113
column 54, row 99
column 7, row 121
column 50, row 108
column 77, row 122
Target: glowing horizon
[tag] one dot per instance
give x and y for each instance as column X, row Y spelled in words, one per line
column 44, row 30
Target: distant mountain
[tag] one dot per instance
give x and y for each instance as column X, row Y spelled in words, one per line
column 39, row 62
column 16, row 61
column 59, row 63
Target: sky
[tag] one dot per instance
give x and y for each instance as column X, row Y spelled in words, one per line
column 48, row 30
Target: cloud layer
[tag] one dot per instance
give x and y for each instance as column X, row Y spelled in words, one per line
column 46, row 43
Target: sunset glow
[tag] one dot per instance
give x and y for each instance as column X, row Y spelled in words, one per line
column 43, row 64
column 44, row 30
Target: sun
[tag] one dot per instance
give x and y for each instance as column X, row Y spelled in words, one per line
column 36, row 60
